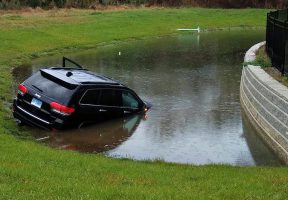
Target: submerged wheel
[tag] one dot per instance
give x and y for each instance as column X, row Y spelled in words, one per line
column 19, row 122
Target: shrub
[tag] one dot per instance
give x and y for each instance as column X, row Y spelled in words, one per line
column 8, row 4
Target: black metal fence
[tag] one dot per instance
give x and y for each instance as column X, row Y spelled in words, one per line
column 277, row 39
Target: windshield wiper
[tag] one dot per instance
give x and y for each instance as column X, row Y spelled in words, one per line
column 37, row 88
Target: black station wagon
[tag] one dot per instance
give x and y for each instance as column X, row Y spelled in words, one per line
column 61, row 98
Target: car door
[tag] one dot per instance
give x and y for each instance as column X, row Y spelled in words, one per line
column 89, row 106
column 100, row 104
column 110, row 103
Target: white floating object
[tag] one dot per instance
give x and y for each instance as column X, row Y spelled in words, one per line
column 43, row 138
column 189, row 29
column 119, row 53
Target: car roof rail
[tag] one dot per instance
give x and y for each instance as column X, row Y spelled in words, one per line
column 71, row 61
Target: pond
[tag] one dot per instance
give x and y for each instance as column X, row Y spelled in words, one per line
column 193, row 84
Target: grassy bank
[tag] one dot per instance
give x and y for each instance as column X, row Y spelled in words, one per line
column 32, row 171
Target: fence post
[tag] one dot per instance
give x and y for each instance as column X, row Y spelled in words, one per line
column 285, row 38
column 267, row 32
column 277, row 14
column 286, row 57
column 274, row 32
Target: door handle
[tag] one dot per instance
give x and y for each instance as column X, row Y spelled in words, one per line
column 102, row 110
column 126, row 112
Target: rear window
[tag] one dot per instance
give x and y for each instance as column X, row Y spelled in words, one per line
column 50, row 88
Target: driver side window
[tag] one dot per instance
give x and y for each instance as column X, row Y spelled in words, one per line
column 129, row 101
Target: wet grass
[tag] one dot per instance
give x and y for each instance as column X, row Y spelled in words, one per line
column 262, row 58
column 32, row 171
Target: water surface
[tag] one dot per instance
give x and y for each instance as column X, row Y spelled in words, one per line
column 193, row 83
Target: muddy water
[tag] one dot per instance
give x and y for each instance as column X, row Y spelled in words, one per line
column 192, row 82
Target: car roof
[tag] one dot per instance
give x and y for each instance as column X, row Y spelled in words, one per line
column 78, row 76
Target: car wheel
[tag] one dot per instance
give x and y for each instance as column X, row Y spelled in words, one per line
column 19, row 122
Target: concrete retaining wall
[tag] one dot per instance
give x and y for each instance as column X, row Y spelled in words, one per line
column 265, row 102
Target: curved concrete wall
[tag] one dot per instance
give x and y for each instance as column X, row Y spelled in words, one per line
column 265, row 102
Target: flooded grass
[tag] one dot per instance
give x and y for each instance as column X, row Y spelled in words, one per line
column 31, row 171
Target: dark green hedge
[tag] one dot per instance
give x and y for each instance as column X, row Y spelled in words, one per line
column 10, row 4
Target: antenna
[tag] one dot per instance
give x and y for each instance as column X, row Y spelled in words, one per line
column 71, row 61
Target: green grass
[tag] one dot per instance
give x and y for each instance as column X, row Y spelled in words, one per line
column 32, row 171
column 262, row 59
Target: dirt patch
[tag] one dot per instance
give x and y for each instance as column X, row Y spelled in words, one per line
column 272, row 71
column 27, row 11
column 40, row 12
column 29, row 17
column 263, row 60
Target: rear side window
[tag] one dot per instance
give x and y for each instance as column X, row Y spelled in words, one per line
column 49, row 88
column 91, row 97
column 102, row 97
column 110, row 97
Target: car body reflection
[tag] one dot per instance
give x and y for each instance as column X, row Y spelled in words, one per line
column 96, row 138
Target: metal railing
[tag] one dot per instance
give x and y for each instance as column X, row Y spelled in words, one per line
column 277, row 39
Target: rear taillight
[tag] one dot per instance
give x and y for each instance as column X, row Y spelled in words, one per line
column 22, row 89
column 64, row 110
